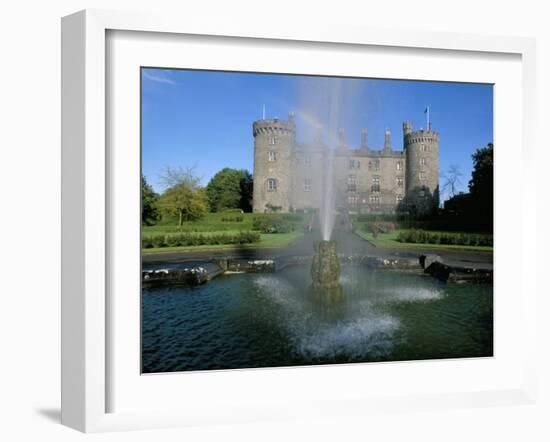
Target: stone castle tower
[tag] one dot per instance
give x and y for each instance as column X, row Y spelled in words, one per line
column 422, row 179
column 274, row 142
column 290, row 176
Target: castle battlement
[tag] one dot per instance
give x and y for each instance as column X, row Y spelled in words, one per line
column 273, row 126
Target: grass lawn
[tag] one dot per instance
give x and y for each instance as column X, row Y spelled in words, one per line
column 390, row 240
column 267, row 240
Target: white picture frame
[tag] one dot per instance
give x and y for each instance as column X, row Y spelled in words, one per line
column 86, row 316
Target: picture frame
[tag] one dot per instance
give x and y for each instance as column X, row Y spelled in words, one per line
column 87, row 314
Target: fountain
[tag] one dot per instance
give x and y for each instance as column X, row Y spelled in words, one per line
column 325, row 268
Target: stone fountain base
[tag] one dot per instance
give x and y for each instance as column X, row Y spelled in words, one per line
column 325, row 268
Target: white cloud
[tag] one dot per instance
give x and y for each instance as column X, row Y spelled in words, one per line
column 159, row 78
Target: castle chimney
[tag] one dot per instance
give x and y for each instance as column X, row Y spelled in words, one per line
column 319, row 135
column 364, row 138
column 387, row 143
column 291, row 117
column 407, row 127
column 341, row 137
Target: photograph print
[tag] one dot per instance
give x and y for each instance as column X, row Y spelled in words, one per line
column 302, row 220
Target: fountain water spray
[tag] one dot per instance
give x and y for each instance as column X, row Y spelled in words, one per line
column 327, row 215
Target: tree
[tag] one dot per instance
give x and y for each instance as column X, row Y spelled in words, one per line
column 230, row 189
column 184, row 198
column 481, row 185
column 172, row 177
column 452, row 180
column 183, row 202
column 149, row 200
column 474, row 210
column 247, row 187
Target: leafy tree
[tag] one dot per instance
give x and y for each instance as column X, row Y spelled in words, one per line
column 230, row 189
column 184, row 202
column 149, row 199
column 184, row 198
column 247, row 188
column 481, row 185
column 474, row 210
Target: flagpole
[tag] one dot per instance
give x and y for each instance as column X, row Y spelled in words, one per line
column 427, row 117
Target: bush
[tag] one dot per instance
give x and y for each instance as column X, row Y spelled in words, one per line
column 415, row 236
column 158, row 241
column 272, row 208
column 272, row 225
column 234, row 219
column 190, row 239
column 293, row 217
column 381, row 227
column 147, row 243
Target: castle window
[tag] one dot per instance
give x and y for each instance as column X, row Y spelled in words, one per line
column 272, row 141
column 422, row 161
column 271, row 184
column 422, row 176
column 272, row 156
column 353, row 200
column 399, row 165
column 354, row 164
column 398, row 199
column 352, row 183
column 399, row 181
column 375, row 187
column 374, row 199
column 307, row 185
column 307, row 160
column 376, row 164
column 422, row 193
column 424, row 148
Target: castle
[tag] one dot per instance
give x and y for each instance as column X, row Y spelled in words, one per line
column 290, row 176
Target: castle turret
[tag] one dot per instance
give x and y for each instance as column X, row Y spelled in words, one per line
column 364, row 139
column 422, row 169
column 387, row 140
column 274, row 141
column 341, row 138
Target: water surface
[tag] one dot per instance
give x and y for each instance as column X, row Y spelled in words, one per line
column 270, row 320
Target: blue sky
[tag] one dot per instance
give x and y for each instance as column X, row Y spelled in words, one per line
column 204, row 119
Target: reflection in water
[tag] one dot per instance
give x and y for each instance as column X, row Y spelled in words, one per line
column 267, row 320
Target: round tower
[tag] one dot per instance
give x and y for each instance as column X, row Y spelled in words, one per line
column 422, row 168
column 273, row 152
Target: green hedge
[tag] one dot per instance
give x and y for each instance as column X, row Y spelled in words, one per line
column 188, row 239
column 232, row 219
column 273, row 225
column 283, row 223
column 459, row 239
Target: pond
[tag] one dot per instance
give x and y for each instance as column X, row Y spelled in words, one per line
column 277, row 319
